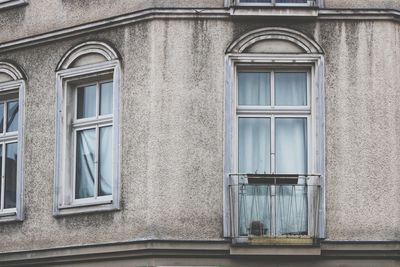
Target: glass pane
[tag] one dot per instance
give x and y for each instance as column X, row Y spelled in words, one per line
column 254, row 88
column 291, row 1
column 255, row 1
column 105, row 161
column 291, row 145
column 254, row 210
column 1, row 117
column 85, row 167
column 291, row 89
column 106, row 98
column 11, row 176
column 86, row 102
column 12, row 116
column 254, row 145
column 291, row 212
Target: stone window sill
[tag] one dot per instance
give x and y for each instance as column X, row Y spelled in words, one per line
column 6, row 4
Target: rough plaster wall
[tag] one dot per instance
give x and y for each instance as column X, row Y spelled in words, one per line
column 391, row 4
column 41, row 16
column 172, row 135
column 362, row 130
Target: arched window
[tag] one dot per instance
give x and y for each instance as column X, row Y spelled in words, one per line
column 274, row 148
column 12, row 91
column 87, row 170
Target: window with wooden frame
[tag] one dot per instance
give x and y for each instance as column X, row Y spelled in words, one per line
column 12, row 88
column 274, row 139
column 87, row 167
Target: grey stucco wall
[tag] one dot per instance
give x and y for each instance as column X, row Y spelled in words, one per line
column 172, row 133
column 390, row 4
column 41, row 16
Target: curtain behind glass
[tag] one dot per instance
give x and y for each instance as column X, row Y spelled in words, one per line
column 85, row 167
column 254, row 88
column 105, row 161
column 254, row 145
column 291, row 89
column 12, row 116
column 11, row 176
column 291, row 145
column 291, row 158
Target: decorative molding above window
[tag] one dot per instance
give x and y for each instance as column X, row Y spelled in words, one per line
column 5, row 4
column 87, row 134
column 12, row 92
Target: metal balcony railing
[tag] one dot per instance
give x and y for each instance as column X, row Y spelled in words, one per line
column 274, row 209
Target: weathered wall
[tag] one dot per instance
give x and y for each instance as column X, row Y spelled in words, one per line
column 362, row 129
column 41, row 16
column 390, row 4
column 172, row 133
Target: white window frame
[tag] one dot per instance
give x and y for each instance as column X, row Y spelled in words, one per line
column 314, row 113
column 272, row 111
column 67, row 80
column 14, row 214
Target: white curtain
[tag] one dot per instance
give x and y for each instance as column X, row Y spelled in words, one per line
column 254, row 145
column 291, row 145
column 105, row 161
column 254, row 88
column 86, row 102
column 85, row 167
column 291, row 89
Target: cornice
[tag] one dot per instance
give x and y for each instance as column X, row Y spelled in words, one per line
column 190, row 13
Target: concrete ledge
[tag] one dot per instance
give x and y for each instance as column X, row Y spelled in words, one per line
column 275, row 251
column 6, row 4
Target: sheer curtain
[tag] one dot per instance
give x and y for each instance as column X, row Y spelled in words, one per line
column 254, row 88
column 291, row 158
column 105, row 161
column 85, row 167
column 291, row 89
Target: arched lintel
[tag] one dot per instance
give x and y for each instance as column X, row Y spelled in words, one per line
column 275, row 33
column 12, row 70
column 91, row 47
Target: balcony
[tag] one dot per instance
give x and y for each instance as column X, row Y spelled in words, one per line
column 274, row 209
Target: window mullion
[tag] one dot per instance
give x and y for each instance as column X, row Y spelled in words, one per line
column 3, row 176
column 5, row 120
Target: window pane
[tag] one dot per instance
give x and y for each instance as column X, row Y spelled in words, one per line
column 291, row 1
column 254, row 88
column 12, row 116
column 291, row 145
column 254, row 145
column 85, row 167
column 105, row 161
column 86, row 102
column 1, row 117
column 291, row 212
column 106, row 98
column 291, row 89
column 11, row 176
column 255, row 1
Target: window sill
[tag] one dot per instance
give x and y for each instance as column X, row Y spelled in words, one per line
column 88, row 207
column 11, row 4
column 293, row 12
column 10, row 216
column 245, row 250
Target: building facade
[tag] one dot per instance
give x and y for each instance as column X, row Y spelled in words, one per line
column 200, row 133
